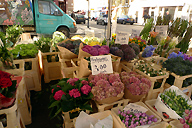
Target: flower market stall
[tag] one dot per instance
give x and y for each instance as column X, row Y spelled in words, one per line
column 140, row 81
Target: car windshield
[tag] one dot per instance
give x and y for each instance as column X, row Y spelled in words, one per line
column 105, row 16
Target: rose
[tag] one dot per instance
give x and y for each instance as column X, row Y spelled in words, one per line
column 74, row 93
column 58, row 95
column 86, row 89
column 5, row 82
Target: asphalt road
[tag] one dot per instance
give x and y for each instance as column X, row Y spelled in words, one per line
column 82, row 28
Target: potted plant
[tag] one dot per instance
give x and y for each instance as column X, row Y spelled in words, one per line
column 70, row 96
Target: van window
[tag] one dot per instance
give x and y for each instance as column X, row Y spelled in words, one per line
column 48, row 8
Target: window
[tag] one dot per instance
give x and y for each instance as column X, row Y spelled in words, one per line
column 46, row 7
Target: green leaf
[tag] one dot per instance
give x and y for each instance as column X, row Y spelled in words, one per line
column 64, row 98
column 57, row 112
column 85, row 107
column 54, row 104
column 67, row 106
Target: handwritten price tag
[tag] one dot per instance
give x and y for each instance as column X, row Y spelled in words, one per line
column 122, row 38
column 135, row 108
column 162, row 30
column 101, row 64
column 135, row 32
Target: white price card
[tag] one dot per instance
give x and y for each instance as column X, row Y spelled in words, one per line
column 122, row 37
column 101, row 64
column 162, row 30
column 135, row 108
column 135, row 32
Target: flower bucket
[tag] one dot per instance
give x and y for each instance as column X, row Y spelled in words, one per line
column 65, row 53
column 110, row 100
column 133, row 98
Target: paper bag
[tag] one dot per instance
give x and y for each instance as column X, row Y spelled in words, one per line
column 84, row 71
column 110, row 100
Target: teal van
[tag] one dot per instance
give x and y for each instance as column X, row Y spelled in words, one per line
column 42, row 16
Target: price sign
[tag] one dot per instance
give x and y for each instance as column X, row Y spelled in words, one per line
column 122, row 38
column 135, row 32
column 162, row 30
column 101, row 64
column 135, row 108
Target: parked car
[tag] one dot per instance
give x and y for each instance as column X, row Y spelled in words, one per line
column 80, row 18
column 123, row 19
column 103, row 19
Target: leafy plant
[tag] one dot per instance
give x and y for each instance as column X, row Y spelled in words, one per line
column 147, row 28
column 43, row 44
column 23, row 51
column 12, row 33
column 5, row 55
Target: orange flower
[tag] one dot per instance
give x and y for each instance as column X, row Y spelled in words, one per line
column 139, row 44
column 132, row 42
column 168, row 38
column 130, row 39
column 139, row 40
column 153, row 34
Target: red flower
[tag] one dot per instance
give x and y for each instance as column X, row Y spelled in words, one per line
column 5, row 82
column 86, row 89
column 5, row 101
column 58, row 95
column 4, row 74
column 74, row 93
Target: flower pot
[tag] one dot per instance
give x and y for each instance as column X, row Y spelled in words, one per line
column 133, row 98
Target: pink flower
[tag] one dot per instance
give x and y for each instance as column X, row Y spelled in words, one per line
column 134, row 89
column 182, row 121
column 187, row 111
column 185, row 126
column 74, row 93
column 84, row 82
column 102, row 83
column 86, row 89
column 52, row 90
column 58, row 95
column 114, row 78
column 72, row 81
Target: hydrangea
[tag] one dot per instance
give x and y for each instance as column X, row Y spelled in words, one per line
column 74, row 93
column 135, row 83
column 58, row 95
column 114, row 78
column 94, row 52
column 72, row 81
column 106, row 86
column 86, row 89
column 84, row 82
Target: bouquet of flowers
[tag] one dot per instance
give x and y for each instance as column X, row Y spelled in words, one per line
column 7, row 89
column 70, row 94
column 132, row 120
column 135, row 83
column 137, row 39
column 187, row 120
column 180, row 54
column 148, row 51
column 106, row 86
column 96, row 50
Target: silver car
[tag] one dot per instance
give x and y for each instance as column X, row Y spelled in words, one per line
column 103, row 19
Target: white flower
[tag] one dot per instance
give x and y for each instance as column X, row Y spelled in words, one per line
column 148, row 74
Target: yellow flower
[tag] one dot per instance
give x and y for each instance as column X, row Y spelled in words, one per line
column 139, row 40
column 132, row 42
column 139, row 44
column 130, row 39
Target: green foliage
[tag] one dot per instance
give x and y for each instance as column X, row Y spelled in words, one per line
column 147, row 28
column 159, row 20
column 24, row 51
column 43, row 44
column 12, row 33
column 184, row 44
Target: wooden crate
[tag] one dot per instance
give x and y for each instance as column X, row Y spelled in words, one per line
column 149, row 112
column 153, row 93
column 103, row 107
column 32, row 77
column 14, row 119
column 179, row 82
column 103, row 115
column 69, row 68
column 176, row 124
column 50, row 70
column 150, row 104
